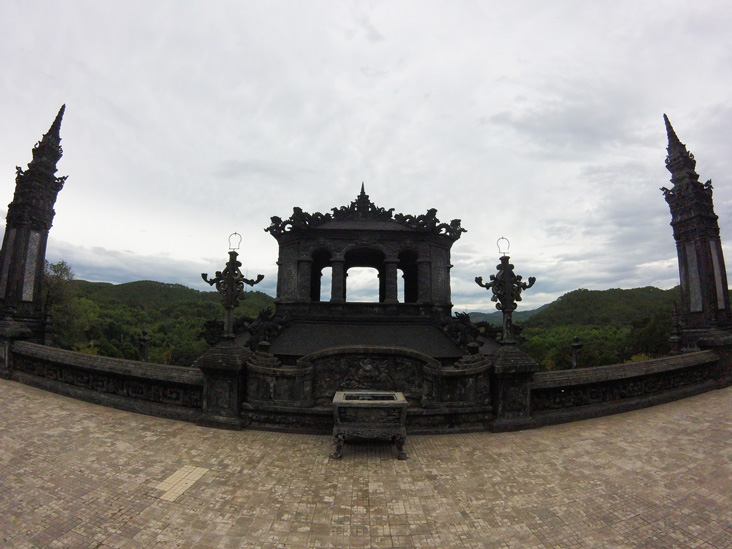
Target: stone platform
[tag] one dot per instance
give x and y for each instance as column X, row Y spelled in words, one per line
column 74, row 474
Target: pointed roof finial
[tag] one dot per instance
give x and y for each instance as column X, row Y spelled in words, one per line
column 53, row 135
column 56, row 126
column 670, row 130
column 363, row 204
column 679, row 161
column 48, row 150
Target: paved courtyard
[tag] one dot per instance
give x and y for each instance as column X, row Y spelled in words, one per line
column 74, row 474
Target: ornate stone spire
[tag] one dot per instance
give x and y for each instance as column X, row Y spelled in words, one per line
column 705, row 304
column 37, row 187
column 30, row 216
column 679, row 161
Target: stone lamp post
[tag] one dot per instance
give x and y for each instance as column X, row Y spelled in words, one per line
column 224, row 365
column 507, row 288
column 230, row 283
column 513, row 370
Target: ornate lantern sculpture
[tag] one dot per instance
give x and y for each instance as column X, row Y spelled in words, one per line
column 230, row 283
column 507, row 287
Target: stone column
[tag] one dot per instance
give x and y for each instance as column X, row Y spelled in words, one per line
column 338, row 281
column 424, row 281
column 391, row 288
column 304, row 272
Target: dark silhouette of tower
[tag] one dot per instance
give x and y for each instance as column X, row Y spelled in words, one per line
column 705, row 305
column 29, row 219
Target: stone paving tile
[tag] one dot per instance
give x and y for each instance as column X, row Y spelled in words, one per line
column 73, row 474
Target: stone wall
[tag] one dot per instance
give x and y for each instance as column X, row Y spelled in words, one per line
column 451, row 399
column 153, row 389
column 570, row 395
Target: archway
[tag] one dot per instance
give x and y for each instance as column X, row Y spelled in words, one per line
column 363, row 285
column 364, row 269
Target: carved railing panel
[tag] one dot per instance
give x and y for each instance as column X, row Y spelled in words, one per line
column 170, row 385
column 560, row 390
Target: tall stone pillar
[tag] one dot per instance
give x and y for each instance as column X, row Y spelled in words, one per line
column 338, row 281
column 29, row 219
column 705, row 302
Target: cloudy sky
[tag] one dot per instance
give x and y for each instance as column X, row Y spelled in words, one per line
column 538, row 121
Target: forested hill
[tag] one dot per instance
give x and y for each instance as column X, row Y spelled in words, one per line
column 496, row 317
column 613, row 326
column 143, row 293
column 605, row 307
column 108, row 319
column 593, row 308
column 150, row 295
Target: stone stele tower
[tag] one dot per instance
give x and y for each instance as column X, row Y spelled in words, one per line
column 29, row 219
column 705, row 303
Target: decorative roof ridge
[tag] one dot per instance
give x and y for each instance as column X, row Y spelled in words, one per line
column 362, row 209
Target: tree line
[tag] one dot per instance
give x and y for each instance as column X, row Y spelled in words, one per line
column 180, row 323
column 612, row 326
column 119, row 320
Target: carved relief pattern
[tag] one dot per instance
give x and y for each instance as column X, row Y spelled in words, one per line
column 220, row 395
column 470, row 389
column 368, row 372
column 610, row 391
column 102, row 382
column 370, row 415
column 284, row 389
column 516, row 398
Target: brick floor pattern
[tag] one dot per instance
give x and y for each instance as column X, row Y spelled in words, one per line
column 74, row 474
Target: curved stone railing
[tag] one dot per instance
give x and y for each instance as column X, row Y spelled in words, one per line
column 476, row 393
column 154, row 389
column 569, row 395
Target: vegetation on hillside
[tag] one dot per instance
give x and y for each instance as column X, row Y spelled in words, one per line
column 612, row 325
column 109, row 319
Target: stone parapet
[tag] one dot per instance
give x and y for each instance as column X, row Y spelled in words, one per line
column 153, row 389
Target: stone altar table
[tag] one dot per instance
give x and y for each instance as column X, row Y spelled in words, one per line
column 369, row 414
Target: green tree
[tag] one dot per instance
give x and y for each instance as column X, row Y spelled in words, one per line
column 650, row 336
column 56, row 277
